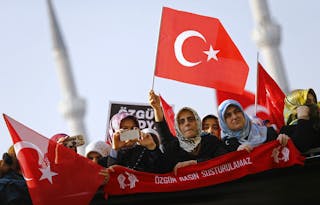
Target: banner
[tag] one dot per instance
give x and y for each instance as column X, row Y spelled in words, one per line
column 221, row 169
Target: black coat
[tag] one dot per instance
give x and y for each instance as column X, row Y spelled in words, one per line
column 14, row 190
column 140, row 158
column 210, row 147
column 303, row 134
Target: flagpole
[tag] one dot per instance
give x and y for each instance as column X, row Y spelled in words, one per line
column 257, row 83
column 152, row 82
column 155, row 63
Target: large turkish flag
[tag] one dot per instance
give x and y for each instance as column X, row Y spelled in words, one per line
column 197, row 50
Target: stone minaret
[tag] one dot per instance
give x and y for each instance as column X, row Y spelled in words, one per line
column 71, row 106
column 267, row 37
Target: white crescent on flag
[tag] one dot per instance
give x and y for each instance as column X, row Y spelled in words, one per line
column 250, row 110
column 179, row 43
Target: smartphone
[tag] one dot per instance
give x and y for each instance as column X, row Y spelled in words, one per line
column 129, row 135
column 74, row 141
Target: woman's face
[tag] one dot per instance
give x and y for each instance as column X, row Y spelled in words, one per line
column 127, row 124
column 187, row 124
column 234, row 118
column 211, row 125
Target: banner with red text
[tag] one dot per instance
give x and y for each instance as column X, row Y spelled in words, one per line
column 221, row 169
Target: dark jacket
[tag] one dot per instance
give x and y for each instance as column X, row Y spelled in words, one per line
column 140, row 158
column 13, row 190
column 210, row 147
column 303, row 134
column 232, row 144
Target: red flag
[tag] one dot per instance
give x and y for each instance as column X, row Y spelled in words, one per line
column 168, row 115
column 197, row 50
column 247, row 102
column 54, row 174
column 271, row 96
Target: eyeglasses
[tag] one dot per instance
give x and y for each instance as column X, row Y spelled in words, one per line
column 189, row 119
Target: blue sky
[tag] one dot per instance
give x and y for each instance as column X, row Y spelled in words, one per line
column 112, row 48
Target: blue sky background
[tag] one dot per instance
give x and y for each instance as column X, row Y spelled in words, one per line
column 112, row 47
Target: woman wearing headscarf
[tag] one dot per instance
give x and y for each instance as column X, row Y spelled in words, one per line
column 140, row 153
column 237, row 130
column 302, row 122
column 190, row 145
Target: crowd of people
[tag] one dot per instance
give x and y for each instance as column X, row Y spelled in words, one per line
column 159, row 151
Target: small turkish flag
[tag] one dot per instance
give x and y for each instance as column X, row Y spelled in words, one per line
column 271, row 96
column 197, row 50
column 168, row 115
column 54, row 173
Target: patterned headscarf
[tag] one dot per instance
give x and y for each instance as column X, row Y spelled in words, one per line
column 251, row 133
column 188, row 144
column 292, row 101
column 115, row 122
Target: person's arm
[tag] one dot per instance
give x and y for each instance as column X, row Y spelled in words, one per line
column 160, row 122
column 154, row 101
column 303, row 134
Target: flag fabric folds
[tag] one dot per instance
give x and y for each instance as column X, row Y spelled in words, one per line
column 270, row 99
column 197, row 50
column 168, row 115
column 271, row 96
column 54, row 173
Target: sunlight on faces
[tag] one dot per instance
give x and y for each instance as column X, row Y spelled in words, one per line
column 187, row 124
column 234, row 118
column 211, row 125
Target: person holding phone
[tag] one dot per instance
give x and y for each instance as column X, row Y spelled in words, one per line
column 132, row 148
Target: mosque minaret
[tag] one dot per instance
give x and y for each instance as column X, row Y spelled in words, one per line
column 71, row 106
column 267, row 35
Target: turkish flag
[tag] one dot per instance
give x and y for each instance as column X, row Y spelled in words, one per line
column 247, row 100
column 271, row 96
column 197, row 50
column 54, row 173
column 168, row 115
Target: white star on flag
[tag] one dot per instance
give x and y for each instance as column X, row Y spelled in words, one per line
column 47, row 174
column 212, row 53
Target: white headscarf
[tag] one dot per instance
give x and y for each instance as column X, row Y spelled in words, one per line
column 100, row 147
column 251, row 133
column 188, row 144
